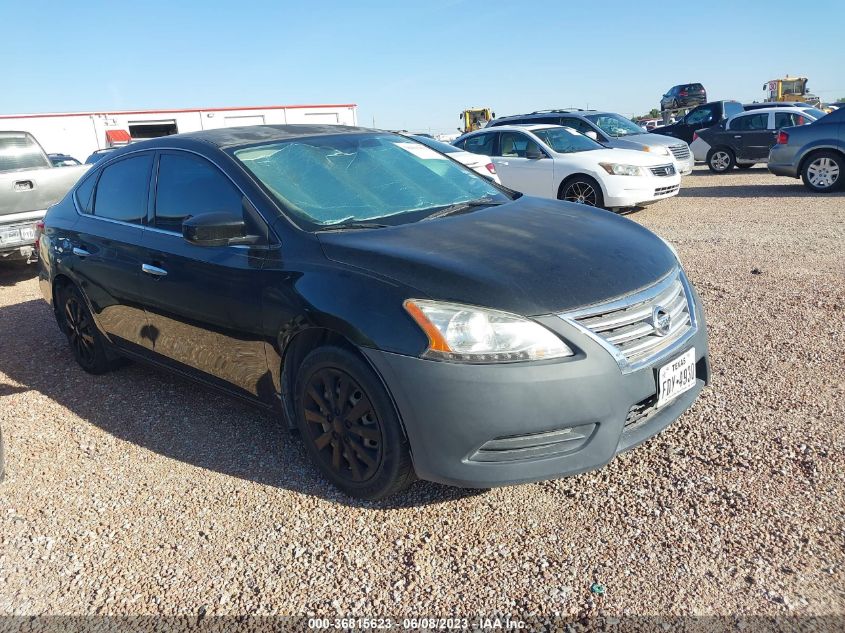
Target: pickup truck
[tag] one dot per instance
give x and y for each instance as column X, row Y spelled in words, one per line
column 29, row 184
column 705, row 115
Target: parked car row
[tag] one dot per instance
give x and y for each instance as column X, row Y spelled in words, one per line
column 552, row 161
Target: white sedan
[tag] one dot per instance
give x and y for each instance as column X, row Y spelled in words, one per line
column 479, row 163
column 552, row 161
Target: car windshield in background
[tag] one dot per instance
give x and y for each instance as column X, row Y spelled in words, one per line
column 435, row 144
column 614, row 124
column 566, row 141
column 814, row 112
column 352, row 178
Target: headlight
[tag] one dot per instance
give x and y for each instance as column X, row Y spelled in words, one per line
column 657, row 149
column 617, row 169
column 469, row 334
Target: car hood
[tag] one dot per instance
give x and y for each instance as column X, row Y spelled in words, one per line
column 531, row 256
column 626, row 156
column 636, row 141
column 470, row 159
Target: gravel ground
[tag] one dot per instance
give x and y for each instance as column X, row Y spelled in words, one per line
column 139, row 493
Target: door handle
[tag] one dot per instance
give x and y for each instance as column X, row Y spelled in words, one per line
column 153, row 270
column 737, row 136
column 504, row 162
column 80, row 252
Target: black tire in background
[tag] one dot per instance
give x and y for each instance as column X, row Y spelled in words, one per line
column 581, row 189
column 349, row 425
column 822, row 171
column 86, row 343
column 745, row 165
column 720, row 160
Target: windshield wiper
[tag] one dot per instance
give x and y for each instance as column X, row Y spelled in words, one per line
column 351, row 226
column 462, row 206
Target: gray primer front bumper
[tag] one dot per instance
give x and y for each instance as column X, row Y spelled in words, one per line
column 450, row 410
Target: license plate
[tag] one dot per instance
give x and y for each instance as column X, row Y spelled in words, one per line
column 15, row 235
column 676, row 377
column 10, row 236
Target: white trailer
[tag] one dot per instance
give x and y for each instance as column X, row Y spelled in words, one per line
column 81, row 133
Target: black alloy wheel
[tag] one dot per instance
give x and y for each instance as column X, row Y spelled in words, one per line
column 86, row 342
column 349, row 425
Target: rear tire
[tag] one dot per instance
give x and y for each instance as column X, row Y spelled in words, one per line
column 349, row 426
column 822, row 172
column 88, row 346
column 581, row 189
column 720, row 160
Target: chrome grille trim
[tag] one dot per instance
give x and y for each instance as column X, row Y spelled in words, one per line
column 680, row 151
column 663, row 170
column 624, row 328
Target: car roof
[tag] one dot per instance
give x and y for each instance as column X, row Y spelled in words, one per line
column 515, row 127
column 765, row 110
column 234, row 136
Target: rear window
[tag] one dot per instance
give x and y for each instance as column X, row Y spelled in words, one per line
column 20, row 151
column 122, row 190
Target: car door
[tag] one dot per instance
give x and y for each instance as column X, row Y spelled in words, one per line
column 203, row 303
column 105, row 246
column 752, row 136
column 523, row 165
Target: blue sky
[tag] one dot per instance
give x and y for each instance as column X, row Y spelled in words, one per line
column 411, row 65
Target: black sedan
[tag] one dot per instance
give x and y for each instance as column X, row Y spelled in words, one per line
column 408, row 316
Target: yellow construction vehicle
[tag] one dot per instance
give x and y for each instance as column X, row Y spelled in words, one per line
column 475, row 119
column 790, row 89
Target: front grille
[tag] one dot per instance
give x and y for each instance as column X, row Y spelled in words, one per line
column 629, row 326
column 680, row 151
column 664, row 191
column 663, row 170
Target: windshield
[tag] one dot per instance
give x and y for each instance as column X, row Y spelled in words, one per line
column 614, row 124
column 566, row 141
column 435, row 144
column 348, row 178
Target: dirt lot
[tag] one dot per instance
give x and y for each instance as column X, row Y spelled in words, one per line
column 139, row 493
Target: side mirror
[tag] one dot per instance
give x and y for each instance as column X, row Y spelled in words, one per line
column 218, row 228
column 533, row 153
column 592, row 135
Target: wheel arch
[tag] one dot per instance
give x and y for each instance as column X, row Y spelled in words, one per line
column 812, row 151
column 582, row 174
column 297, row 347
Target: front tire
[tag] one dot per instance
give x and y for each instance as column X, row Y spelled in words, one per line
column 823, row 172
column 86, row 343
column 581, row 189
column 720, row 160
column 349, row 425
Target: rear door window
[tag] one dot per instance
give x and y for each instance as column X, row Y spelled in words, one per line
column 85, row 194
column 122, row 190
column 481, row 143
